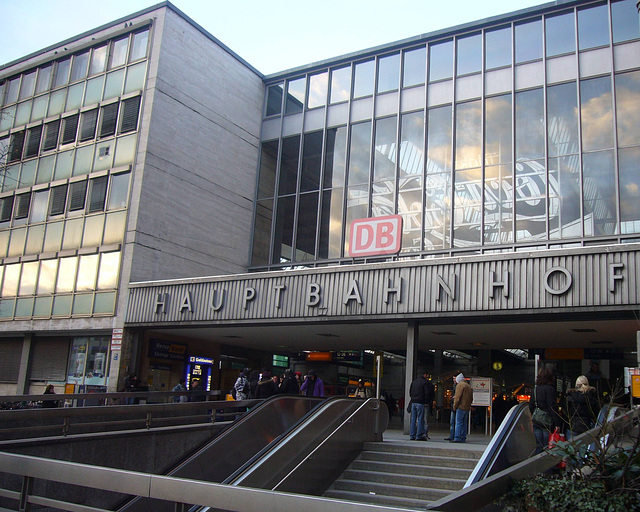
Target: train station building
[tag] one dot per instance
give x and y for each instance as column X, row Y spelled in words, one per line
column 463, row 200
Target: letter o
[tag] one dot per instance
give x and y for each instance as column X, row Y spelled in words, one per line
column 563, row 289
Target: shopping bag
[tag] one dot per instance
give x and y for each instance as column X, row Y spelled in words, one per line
column 554, row 438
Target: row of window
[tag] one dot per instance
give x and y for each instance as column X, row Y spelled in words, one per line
column 77, row 128
column 551, row 35
column 91, row 195
column 88, row 63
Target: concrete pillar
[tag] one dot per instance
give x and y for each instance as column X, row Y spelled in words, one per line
column 410, row 368
column 25, row 364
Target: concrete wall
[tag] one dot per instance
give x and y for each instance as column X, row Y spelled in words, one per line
column 194, row 183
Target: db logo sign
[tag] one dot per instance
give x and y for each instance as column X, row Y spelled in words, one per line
column 375, row 236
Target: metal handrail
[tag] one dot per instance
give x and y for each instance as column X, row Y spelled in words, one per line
column 170, row 489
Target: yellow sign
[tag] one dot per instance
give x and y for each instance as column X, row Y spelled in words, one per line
column 635, row 386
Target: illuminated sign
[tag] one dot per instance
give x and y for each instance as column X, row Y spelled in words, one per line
column 200, row 360
column 375, row 236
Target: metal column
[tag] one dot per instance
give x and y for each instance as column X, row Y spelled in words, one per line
column 410, row 368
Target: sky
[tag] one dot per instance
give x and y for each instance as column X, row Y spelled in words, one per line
column 271, row 35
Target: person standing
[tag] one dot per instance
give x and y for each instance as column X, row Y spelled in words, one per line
column 422, row 393
column 462, row 401
column 312, row 385
column 241, row 386
column 266, row 386
column 180, row 387
column 545, row 398
column 289, row 384
column 49, row 390
column 582, row 408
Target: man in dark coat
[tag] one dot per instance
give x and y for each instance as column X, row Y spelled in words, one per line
column 422, row 394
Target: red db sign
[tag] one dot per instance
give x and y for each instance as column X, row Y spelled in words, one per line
column 374, row 236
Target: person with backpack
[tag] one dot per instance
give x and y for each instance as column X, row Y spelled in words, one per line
column 240, row 389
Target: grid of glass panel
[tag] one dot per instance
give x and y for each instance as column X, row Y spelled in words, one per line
column 68, row 133
column 515, row 135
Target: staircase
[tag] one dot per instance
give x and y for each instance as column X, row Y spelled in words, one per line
column 405, row 475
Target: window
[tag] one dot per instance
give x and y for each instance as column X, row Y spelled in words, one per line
column 98, row 60
column 295, row 96
column 119, row 191
column 274, row 100
column 77, row 195
column 51, row 131
column 119, row 52
column 69, row 129
column 44, row 79
column 62, row 73
column 33, row 141
column 108, row 120
column 15, row 148
column 22, row 206
column 57, row 200
column 28, row 84
column 98, row 194
column 79, row 69
column 131, row 108
column 88, row 125
column 6, row 207
column 139, row 45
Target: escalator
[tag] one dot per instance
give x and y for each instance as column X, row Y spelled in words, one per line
column 279, row 443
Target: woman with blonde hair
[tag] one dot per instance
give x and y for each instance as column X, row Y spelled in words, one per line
column 582, row 408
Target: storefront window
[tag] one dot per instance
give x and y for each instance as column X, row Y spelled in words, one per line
column 88, row 361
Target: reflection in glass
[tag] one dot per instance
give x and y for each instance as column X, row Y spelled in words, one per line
column 437, row 211
column 467, row 214
column 268, row 167
column 72, row 234
column 439, row 142
column 363, row 78
column 28, row 85
column 311, row 160
column 562, row 119
column 295, row 96
column 340, row 84
column 47, row 278
column 87, row 272
column 283, row 236
column 357, row 208
column 561, row 34
column 23, row 114
column 35, row 239
column 28, row 278
column 530, row 136
column 383, row 195
column 565, row 219
column 56, row 102
column 139, row 45
column 125, row 150
column 261, row 232
column 318, row 90
column 114, row 227
column 109, row 269
column 93, row 226
column 415, row 65
column 289, row 165
column 62, row 72
column 307, row 227
column 39, row 107
column 593, row 26
column 498, row 204
column 331, row 224
column 388, row 73
column 79, row 68
column 528, row 41
column 113, row 86
column 74, row 96
column 67, row 274
column 627, row 101
column 599, row 194
column 274, row 100
column 10, row 282
column 530, row 190
column 468, row 135
column 469, row 54
column 497, row 48
column 44, row 79
column 335, row 158
column 385, row 155
column 629, row 162
column 440, row 61
column 497, row 130
column 98, row 60
column 597, row 113
column 135, row 77
column 119, row 52
column 119, row 191
column 16, row 244
column 94, row 91
column 411, row 165
column 359, row 153
column 624, row 18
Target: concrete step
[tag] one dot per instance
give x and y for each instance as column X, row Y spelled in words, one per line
column 423, row 482
column 385, row 489
column 425, row 448
column 379, row 499
column 411, row 469
column 447, row 461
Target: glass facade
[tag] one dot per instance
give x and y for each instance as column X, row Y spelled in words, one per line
column 506, row 137
column 68, row 134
